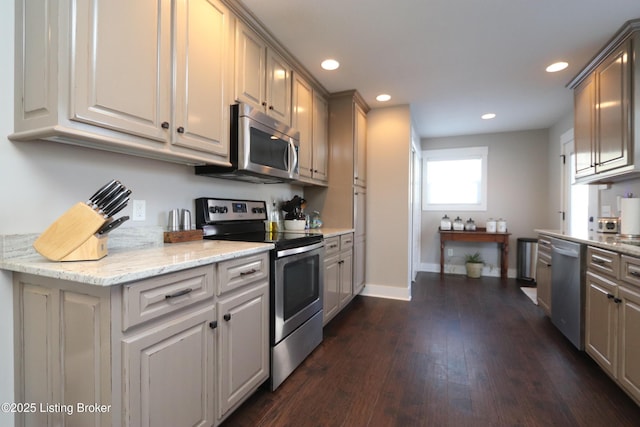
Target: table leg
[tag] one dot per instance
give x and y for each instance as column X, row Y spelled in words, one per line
column 504, row 262
column 441, row 257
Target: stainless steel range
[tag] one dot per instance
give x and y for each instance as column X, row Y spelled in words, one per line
column 296, row 277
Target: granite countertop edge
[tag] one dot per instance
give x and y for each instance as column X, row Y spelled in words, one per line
column 611, row 242
column 127, row 265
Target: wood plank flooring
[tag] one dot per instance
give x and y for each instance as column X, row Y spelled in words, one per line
column 463, row 352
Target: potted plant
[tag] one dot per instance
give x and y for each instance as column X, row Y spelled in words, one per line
column 474, row 264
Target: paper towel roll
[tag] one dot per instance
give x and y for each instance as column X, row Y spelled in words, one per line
column 630, row 216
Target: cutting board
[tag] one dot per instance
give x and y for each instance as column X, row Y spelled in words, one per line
column 69, row 232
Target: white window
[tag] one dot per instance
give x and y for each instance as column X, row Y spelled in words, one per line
column 455, row 179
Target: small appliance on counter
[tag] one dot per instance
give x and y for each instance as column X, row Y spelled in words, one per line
column 179, row 227
column 294, row 219
column 80, row 234
column 609, row 225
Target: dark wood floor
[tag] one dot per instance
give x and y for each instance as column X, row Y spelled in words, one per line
column 463, row 352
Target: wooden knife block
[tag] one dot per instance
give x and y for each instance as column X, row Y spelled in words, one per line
column 72, row 237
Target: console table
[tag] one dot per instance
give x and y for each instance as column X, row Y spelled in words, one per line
column 480, row 235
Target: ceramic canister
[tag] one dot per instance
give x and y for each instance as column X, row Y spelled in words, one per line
column 491, row 225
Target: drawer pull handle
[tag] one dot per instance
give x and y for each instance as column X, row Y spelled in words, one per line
column 610, row 296
column 333, row 246
column 634, row 273
column 246, row 273
column 179, row 293
column 599, row 261
column 617, row 300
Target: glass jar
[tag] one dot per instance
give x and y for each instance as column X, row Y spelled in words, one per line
column 470, row 225
column 491, row 225
column 458, row 224
column 445, row 223
column 501, row 226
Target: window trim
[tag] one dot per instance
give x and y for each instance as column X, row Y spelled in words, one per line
column 481, row 153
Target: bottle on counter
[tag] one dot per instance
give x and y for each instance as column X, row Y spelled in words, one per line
column 272, row 224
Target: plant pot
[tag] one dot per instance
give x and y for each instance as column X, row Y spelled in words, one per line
column 474, row 269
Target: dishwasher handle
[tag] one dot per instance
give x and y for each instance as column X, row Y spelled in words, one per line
column 566, row 252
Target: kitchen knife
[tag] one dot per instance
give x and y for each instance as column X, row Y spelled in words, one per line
column 117, row 208
column 117, row 189
column 115, row 201
column 101, row 192
column 110, row 226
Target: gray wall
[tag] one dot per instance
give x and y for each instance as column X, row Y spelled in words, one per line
column 517, row 191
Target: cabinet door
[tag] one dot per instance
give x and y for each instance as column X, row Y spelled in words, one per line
column 360, row 147
column 601, row 322
column 358, row 265
column 244, row 344
column 346, row 277
column 122, row 66
column 359, row 214
column 629, row 363
column 302, row 121
column 543, row 283
column 203, row 77
column 614, row 110
column 584, row 127
column 320, row 138
column 278, row 88
column 331, row 290
column 168, row 372
column 250, row 67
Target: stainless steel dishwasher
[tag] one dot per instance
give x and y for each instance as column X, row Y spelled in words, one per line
column 567, row 289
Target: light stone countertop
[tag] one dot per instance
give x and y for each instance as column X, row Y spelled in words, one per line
column 124, row 265
column 606, row 241
column 332, row 232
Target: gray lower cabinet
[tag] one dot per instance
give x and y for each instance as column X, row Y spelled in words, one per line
column 180, row 349
column 338, row 275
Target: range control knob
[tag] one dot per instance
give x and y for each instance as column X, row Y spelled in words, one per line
column 257, row 210
column 217, row 209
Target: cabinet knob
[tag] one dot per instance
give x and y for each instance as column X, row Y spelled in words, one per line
column 270, row 107
column 227, row 317
column 180, row 130
column 264, row 104
column 617, row 300
column 610, row 296
column 213, row 324
column 165, row 125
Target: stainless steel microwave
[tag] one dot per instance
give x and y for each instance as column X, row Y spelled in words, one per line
column 262, row 149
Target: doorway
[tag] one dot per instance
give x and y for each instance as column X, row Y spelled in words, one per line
column 575, row 198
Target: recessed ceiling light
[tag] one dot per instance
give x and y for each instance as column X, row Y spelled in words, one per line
column 558, row 66
column 383, row 97
column 488, row 116
column 330, row 64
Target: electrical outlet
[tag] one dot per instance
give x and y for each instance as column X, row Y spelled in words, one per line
column 449, row 252
column 139, row 210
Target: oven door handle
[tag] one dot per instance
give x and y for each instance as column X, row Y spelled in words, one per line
column 299, row 250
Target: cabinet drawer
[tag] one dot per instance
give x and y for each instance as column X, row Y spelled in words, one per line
column 239, row 272
column 331, row 245
column 544, row 246
column 346, row 241
column 603, row 261
column 155, row 297
column 630, row 270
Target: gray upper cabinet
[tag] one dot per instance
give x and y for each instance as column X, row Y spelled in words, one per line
column 262, row 77
column 155, row 81
column 606, row 94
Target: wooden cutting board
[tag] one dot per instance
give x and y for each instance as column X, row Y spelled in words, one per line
column 68, row 232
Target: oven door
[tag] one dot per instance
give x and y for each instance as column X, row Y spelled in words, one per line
column 266, row 151
column 298, row 281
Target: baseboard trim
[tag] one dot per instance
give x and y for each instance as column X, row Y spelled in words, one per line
column 460, row 269
column 388, row 292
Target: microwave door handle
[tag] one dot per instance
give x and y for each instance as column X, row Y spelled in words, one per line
column 293, row 156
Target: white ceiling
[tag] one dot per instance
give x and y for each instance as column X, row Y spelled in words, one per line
column 451, row 60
